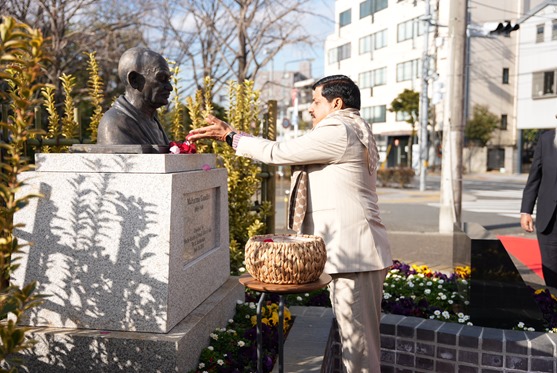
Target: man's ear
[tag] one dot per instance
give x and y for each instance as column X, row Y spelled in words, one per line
column 338, row 103
column 136, row 80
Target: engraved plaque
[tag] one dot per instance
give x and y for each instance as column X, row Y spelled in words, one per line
column 201, row 225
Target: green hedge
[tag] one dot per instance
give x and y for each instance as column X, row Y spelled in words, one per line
column 400, row 176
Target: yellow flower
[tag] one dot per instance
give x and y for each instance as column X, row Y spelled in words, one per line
column 463, row 271
column 275, row 318
column 287, row 314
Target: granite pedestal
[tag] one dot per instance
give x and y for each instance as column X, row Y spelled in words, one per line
column 124, row 242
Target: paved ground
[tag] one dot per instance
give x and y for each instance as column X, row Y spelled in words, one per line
column 306, row 342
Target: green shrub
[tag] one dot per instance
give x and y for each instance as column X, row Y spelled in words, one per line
column 400, row 176
column 21, row 58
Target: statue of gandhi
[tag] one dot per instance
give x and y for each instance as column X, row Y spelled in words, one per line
column 132, row 118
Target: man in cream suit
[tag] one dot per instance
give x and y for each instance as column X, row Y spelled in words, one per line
column 340, row 157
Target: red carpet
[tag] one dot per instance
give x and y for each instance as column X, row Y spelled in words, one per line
column 526, row 250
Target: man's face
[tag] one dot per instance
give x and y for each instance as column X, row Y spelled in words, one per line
column 320, row 107
column 157, row 88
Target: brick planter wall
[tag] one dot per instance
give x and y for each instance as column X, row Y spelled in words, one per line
column 410, row 344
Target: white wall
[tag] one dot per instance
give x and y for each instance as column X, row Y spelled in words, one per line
column 536, row 113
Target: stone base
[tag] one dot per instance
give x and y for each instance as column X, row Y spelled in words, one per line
column 80, row 350
column 122, row 242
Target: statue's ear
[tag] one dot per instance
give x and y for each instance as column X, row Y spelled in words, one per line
column 136, row 80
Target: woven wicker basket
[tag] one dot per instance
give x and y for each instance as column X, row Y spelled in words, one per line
column 287, row 259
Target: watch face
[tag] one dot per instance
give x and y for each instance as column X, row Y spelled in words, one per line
column 230, row 137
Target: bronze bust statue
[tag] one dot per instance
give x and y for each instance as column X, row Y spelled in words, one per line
column 132, row 118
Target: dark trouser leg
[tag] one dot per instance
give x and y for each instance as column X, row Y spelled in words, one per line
column 548, row 248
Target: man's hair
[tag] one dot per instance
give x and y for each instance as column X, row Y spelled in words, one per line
column 339, row 86
column 141, row 60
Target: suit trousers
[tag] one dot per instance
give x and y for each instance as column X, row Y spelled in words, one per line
column 356, row 301
column 548, row 249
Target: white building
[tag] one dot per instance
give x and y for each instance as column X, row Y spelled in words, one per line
column 380, row 45
column 537, row 68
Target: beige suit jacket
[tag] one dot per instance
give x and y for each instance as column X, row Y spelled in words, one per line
column 342, row 198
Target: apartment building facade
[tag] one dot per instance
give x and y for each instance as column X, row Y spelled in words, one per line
column 537, row 68
column 380, row 44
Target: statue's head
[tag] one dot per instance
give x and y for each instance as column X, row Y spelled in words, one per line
column 146, row 77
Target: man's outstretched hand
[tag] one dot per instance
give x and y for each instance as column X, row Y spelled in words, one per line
column 217, row 129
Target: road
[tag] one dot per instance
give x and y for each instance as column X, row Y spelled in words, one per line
column 491, row 199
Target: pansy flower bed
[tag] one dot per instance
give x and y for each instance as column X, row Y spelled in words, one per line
column 234, row 349
column 420, row 292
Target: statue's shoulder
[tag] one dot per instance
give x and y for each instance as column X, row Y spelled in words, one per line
column 115, row 117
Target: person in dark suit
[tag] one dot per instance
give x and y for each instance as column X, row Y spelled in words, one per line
column 541, row 189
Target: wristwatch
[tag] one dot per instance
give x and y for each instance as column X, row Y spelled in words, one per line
column 230, row 137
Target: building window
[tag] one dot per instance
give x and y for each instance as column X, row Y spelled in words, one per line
column 372, row 78
column 409, row 29
column 374, row 41
column 504, row 121
column 345, row 18
column 339, row 53
column 539, row 33
column 543, row 84
column 554, row 30
column 402, row 116
column 407, row 70
column 370, row 7
column 505, row 75
column 375, row 114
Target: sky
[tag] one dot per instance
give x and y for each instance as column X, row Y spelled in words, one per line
column 319, row 29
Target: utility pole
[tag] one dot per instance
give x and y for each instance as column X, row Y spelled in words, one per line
column 424, row 99
column 453, row 130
